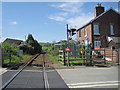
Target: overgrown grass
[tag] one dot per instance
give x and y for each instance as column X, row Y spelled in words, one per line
column 78, row 61
column 16, row 59
column 54, row 59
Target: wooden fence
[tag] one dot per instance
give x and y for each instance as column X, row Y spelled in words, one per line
column 105, row 56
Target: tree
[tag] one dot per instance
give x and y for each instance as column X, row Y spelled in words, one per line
column 37, row 47
column 63, row 42
column 9, row 49
column 31, row 46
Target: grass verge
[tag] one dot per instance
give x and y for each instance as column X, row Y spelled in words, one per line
column 54, row 59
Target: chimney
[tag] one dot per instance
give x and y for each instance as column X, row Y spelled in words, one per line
column 98, row 10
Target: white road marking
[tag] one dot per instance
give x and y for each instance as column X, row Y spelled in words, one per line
column 93, row 84
column 84, row 68
column 33, row 70
column 87, row 86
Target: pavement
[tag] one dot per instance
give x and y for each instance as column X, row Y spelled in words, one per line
column 90, row 77
column 2, row 70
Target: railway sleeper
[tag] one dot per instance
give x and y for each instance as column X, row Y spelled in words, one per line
column 38, row 65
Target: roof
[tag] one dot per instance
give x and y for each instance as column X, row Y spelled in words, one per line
column 15, row 41
column 98, row 17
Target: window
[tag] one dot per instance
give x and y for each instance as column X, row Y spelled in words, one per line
column 97, row 43
column 85, row 32
column 80, row 33
column 112, row 29
column 96, row 29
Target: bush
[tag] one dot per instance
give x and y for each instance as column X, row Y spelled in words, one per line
column 11, row 53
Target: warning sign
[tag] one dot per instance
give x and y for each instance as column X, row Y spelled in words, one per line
column 67, row 49
column 82, row 50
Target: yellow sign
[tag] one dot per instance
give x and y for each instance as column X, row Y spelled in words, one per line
column 82, row 50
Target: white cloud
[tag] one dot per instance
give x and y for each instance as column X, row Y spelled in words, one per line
column 63, row 14
column 72, row 13
column 116, row 9
column 57, row 18
column 79, row 21
column 14, row 22
column 73, row 7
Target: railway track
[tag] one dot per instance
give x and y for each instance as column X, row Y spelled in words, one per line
column 29, row 64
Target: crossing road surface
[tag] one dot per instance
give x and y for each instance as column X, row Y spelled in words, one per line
column 29, row 78
column 90, row 77
column 32, row 77
column 36, row 73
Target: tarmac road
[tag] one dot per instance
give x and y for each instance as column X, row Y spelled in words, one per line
column 90, row 77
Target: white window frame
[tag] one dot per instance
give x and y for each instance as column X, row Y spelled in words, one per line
column 97, row 43
column 112, row 29
column 96, row 29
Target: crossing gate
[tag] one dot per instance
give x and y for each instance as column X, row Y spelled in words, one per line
column 82, row 55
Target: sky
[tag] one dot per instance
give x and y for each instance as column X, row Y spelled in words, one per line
column 46, row 21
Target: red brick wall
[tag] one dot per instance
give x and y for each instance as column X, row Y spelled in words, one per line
column 89, row 33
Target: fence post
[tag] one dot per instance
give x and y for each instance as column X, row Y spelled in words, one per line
column 83, row 59
column 118, row 56
column 104, row 56
column 112, row 55
column 90, row 57
column 64, row 57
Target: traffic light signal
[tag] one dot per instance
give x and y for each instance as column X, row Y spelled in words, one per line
column 68, row 31
column 73, row 31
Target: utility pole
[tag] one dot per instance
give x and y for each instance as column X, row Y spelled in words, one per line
column 67, row 46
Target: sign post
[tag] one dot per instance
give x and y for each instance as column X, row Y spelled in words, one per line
column 67, row 49
column 70, row 32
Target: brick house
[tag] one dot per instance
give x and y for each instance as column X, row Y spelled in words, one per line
column 98, row 31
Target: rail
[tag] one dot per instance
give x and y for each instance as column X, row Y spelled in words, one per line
column 46, row 84
column 45, row 78
column 7, row 83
